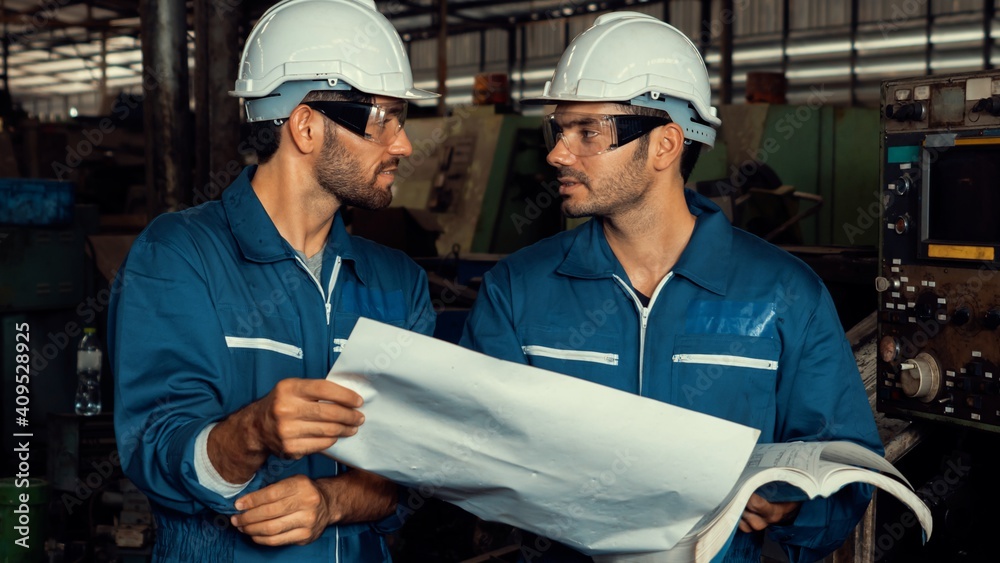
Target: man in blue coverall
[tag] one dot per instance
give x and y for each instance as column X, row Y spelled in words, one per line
column 659, row 295
column 229, row 315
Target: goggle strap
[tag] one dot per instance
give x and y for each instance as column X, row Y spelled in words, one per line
column 352, row 115
column 631, row 127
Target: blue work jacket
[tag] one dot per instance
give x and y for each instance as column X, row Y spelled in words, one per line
column 739, row 329
column 211, row 309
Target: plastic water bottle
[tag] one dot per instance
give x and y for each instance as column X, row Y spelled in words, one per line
column 88, row 371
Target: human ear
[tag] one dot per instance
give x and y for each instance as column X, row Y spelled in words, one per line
column 666, row 146
column 305, row 127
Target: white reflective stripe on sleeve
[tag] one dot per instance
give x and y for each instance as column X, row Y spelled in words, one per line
column 264, row 344
column 722, row 360
column 579, row 355
column 338, row 344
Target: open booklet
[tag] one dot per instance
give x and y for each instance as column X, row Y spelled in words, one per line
column 812, row 469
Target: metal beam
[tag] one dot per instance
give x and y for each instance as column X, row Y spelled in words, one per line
column 512, row 55
column 414, row 9
column 217, row 117
column 482, row 51
column 728, row 16
column 4, row 51
column 928, row 32
column 442, row 51
column 786, row 27
column 855, row 15
column 165, row 110
column 705, row 38
column 504, row 21
column 989, row 13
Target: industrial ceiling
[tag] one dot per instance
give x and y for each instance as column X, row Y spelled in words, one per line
column 56, row 47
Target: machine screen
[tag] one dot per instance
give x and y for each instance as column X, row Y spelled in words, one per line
column 963, row 196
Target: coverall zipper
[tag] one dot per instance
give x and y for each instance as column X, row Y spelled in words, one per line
column 264, row 344
column 643, row 315
column 332, row 284
column 725, row 360
column 326, row 298
column 579, row 355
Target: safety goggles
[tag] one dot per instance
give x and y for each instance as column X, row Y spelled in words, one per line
column 589, row 134
column 378, row 123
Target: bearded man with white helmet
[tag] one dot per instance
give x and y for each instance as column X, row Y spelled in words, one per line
column 226, row 317
column 659, row 295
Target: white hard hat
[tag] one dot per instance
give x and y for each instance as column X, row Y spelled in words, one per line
column 299, row 46
column 628, row 56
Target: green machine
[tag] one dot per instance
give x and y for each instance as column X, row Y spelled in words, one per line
column 482, row 179
column 815, row 149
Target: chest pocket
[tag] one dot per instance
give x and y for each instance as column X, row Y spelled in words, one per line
column 265, row 347
column 729, row 376
column 591, row 356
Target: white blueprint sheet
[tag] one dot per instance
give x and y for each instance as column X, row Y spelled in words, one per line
column 598, row 469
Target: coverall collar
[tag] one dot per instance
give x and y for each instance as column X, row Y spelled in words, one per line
column 259, row 240
column 705, row 260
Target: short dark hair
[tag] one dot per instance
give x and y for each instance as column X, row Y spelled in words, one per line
column 265, row 136
column 690, row 153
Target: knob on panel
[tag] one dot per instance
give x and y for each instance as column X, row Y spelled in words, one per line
column 926, row 306
column 911, row 111
column 888, row 348
column 902, row 225
column 921, row 377
column 989, row 105
column 883, row 283
column 961, row 316
column 903, row 184
column 991, row 320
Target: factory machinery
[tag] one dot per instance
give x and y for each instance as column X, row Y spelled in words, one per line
column 938, row 323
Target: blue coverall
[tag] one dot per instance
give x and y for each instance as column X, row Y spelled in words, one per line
column 210, row 310
column 739, row 329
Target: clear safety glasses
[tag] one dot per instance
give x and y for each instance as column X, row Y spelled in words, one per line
column 589, row 134
column 378, row 123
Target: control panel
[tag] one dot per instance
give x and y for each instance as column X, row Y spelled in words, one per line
column 939, row 288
